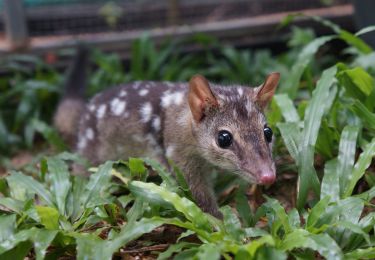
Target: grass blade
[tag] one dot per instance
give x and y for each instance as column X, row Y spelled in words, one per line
column 368, row 118
column 304, row 58
column 243, row 208
column 347, row 149
column 316, row 212
column 291, row 135
column 287, row 108
column 98, row 185
column 360, row 167
column 331, row 182
column 60, row 181
column 313, row 118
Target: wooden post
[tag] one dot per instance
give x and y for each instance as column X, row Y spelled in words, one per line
column 15, row 24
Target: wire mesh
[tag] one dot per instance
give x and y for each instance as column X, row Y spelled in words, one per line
column 63, row 17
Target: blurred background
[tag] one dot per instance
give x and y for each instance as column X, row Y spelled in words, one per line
column 38, row 26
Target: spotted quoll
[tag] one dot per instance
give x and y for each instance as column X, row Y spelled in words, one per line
column 198, row 125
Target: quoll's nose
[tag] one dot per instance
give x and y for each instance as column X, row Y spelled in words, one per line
column 267, row 177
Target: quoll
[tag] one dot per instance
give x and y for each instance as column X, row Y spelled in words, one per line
column 198, row 125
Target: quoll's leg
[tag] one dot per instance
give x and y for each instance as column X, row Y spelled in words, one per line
column 201, row 188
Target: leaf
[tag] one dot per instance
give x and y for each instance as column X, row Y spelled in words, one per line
column 137, row 167
column 254, row 245
column 30, row 184
column 176, row 248
column 7, row 227
column 355, row 41
column 346, row 36
column 61, row 185
column 314, row 113
column 357, row 79
column 191, row 211
column 132, row 232
column 291, row 135
column 74, row 205
column 367, row 253
column 98, row 185
column 20, row 251
column 331, row 181
column 90, row 246
column 49, row 217
column 279, row 214
column 316, row 212
column 354, row 228
column 347, row 149
column 232, row 224
column 243, row 208
column 136, row 211
column 49, row 134
column 14, row 239
column 365, row 30
column 322, row 243
column 304, row 58
column 170, row 182
column 42, row 239
column 12, row 204
column 361, row 165
column 287, row 108
column 208, row 251
column 368, row 118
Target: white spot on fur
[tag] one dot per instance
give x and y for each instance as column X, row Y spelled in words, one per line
column 82, row 143
column 92, row 107
column 87, row 117
column 117, row 106
column 101, row 111
column 235, row 114
column 156, row 123
column 170, row 151
column 143, row 92
column 146, row 112
column 89, row 134
column 240, row 91
column 123, row 93
column 174, row 98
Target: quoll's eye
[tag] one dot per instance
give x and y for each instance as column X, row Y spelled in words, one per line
column 224, row 139
column 268, row 133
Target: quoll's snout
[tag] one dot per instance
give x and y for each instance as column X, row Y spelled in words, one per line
column 267, row 177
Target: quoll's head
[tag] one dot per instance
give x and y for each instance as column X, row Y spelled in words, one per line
column 230, row 127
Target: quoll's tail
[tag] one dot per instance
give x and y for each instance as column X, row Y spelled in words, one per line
column 72, row 104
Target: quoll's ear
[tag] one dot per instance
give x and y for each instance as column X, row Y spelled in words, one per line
column 265, row 92
column 200, row 97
